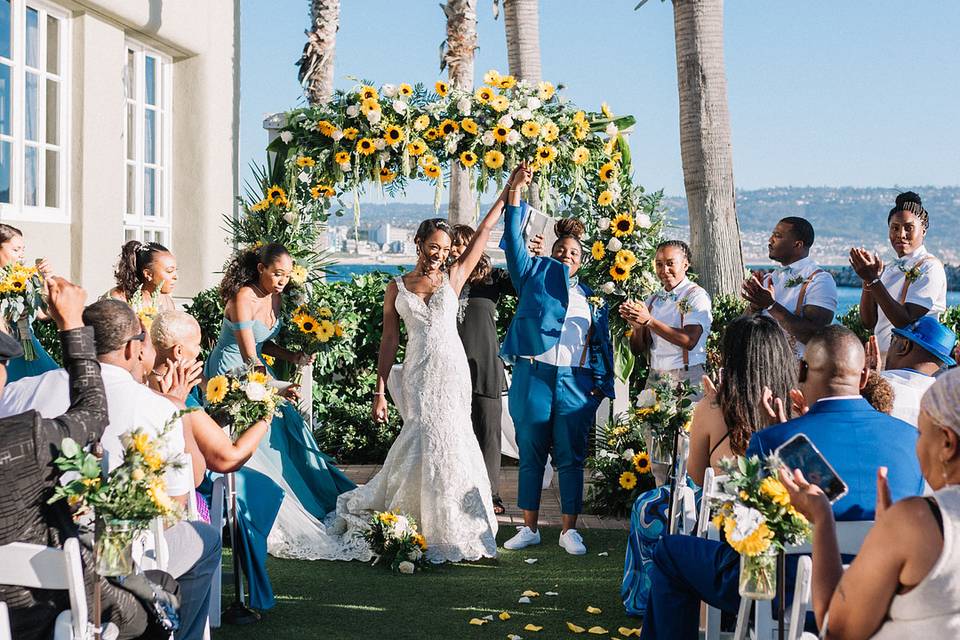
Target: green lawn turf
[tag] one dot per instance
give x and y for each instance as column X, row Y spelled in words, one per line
column 345, row 600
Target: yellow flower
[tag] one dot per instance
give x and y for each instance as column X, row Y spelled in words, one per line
column 324, row 312
column 431, row 134
column 442, row 88
column 427, row 160
column 483, row 95
column 387, row 176
column 305, row 322
column 366, row 146
column 325, row 330
column 158, row 494
column 153, row 461
column 298, row 274
column 256, row 376
column 368, row 93
column 628, row 480
column 263, row 205
column 619, row 272
column 468, row 125
column 350, row 133
column 422, row 122
column 492, row 77
column 605, row 109
column 341, row 157
column 321, row 190
column 499, row 103
column 641, row 462
column 530, row 129
column 387, row 517
column 609, row 146
column 626, row 257
column 368, row 106
column 545, row 90
column 493, row 159
column 607, row 171
column 393, row 135
column 772, row 488
column 448, row 126
column 420, row 541
column 546, row 154
column 550, row 132
column 598, row 250
column 141, row 442
column 416, row 147
column 216, row 389
column 468, row 158
column 506, row 82
column 432, row 171
column 338, row 329
column 405, row 90
column 137, row 475
column 305, row 161
column 605, row 198
column 276, row 194
column 622, row 225
column 581, row 155
column 326, row 127
column 267, row 360
column 753, row 544
column 500, row 133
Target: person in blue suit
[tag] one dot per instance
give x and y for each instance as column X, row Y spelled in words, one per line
column 559, row 341
column 858, row 441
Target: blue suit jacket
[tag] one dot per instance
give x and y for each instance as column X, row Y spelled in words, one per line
column 856, row 439
column 542, row 307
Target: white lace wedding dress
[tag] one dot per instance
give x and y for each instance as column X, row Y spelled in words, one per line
column 434, row 471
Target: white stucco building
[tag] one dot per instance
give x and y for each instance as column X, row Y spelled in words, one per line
column 118, row 120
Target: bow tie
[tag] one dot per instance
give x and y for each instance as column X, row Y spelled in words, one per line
column 664, row 295
column 787, row 269
column 901, row 263
column 574, row 281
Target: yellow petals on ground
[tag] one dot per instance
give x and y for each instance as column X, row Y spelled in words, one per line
column 575, row 628
column 626, row 632
column 594, row 610
column 504, row 615
column 532, row 627
column 597, row 631
column 477, row 622
column 530, row 594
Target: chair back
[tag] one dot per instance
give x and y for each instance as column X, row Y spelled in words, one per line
column 680, row 496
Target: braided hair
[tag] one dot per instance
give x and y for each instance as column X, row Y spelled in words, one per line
column 910, row 201
column 676, row 244
column 242, row 268
column 135, row 257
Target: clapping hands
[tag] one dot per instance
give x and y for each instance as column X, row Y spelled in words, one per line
column 635, row 313
column 868, row 265
column 759, row 296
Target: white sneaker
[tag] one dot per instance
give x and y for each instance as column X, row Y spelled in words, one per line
column 572, row 542
column 524, row 538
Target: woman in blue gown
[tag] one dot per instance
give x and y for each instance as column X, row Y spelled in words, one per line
column 12, row 248
column 289, row 458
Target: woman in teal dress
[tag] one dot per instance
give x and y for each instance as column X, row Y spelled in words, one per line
column 288, row 458
column 12, row 248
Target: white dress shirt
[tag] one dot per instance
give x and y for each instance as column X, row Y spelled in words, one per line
column 129, row 405
column 928, row 291
column 908, row 387
column 788, row 282
column 665, row 307
column 569, row 350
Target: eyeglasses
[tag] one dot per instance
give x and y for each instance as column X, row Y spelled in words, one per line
column 140, row 336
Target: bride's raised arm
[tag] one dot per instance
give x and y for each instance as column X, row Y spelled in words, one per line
column 463, row 267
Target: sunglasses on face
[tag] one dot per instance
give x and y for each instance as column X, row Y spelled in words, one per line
column 139, row 337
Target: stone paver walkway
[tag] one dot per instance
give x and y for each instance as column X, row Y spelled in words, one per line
column 549, row 502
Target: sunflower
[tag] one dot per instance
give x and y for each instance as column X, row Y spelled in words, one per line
column 366, row 146
column 605, row 198
column 506, row 82
column 530, row 129
column 442, row 88
column 350, row 133
column 550, row 132
column 605, row 109
column 315, row 192
column 598, row 251
column 427, row 160
column 393, row 135
column 493, row 159
column 483, row 94
column 369, row 105
column 422, row 122
column 468, row 158
column 499, row 103
column 546, row 154
column 619, row 272
column 416, row 147
column 341, row 157
column 431, row 134
column 626, row 258
column 305, row 322
column 326, row 128
column 386, row 176
column 276, row 194
column 432, row 171
column 267, row 360
column 581, row 155
column 628, row 480
column 258, row 377
column 216, row 389
column 447, row 127
column 322, row 190
column 338, row 329
column 774, row 489
column 622, row 225
column 492, row 77
column 641, row 462
column 325, row 330
column 420, row 541
column 607, row 172
column 368, row 93
column 500, row 133
column 305, row 161
column 405, row 90
column 468, row 125
column 545, row 90
column 263, row 205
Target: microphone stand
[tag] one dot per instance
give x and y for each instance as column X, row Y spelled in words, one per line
column 237, row 612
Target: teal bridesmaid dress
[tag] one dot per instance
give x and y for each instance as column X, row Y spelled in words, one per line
column 22, row 368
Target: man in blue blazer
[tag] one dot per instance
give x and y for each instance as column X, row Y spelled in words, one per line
column 559, row 341
column 856, row 439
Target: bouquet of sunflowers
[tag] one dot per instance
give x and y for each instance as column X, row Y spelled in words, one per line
column 664, row 411
column 394, row 537
column 316, row 328
column 242, row 397
column 124, row 501
column 21, row 297
column 146, row 307
column 621, row 467
column 755, row 516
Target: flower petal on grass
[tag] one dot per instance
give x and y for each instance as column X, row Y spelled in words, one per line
column 603, row 553
column 532, row 627
column 530, row 594
column 489, row 618
column 551, row 593
column 477, row 622
column 594, row 610
column 504, row 615
column 575, row 628
column 531, row 560
column 524, row 600
column 514, row 636
column 597, row 631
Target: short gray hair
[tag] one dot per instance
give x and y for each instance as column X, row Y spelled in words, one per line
column 169, row 328
column 113, row 322
column 942, row 400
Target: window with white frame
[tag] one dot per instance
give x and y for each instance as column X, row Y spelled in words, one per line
column 147, row 141
column 33, row 111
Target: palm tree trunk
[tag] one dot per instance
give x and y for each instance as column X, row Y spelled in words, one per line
column 521, row 20
column 705, row 145
column 458, row 59
column 316, row 62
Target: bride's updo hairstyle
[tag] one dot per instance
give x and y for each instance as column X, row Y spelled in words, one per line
column 135, row 258
column 242, row 269
column 430, row 226
column 568, row 228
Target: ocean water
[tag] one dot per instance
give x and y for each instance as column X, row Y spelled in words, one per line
column 846, row 296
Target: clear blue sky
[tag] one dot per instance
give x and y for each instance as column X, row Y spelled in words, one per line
column 821, row 93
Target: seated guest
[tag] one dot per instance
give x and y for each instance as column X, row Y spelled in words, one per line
column 916, row 353
column 905, row 581
column 28, row 445
column 673, row 324
column 799, row 295
column 119, row 338
column 879, row 393
column 757, row 360
column 854, row 437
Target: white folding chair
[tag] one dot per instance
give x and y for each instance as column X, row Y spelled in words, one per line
column 39, row 567
column 711, row 487
column 684, row 500
column 216, row 520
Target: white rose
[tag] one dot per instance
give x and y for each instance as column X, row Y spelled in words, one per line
column 614, row 245
column 373, row 117
column 604, row 224
column 506, row 121
column 406, row 567
column 399, row 106
column 286, row 136
column 352, row 111
column 628, row 454
column 337, row 135
column 303, row 177
column 487, row 139
column 608, row 288
column 389, row 90
column 612, row 129
column 379, row 143
column 451, row 144
column 255, row 391
column 345, row 167
column 464, row 106
column 415, row 555
column 647, row 398
column 513, row 137
column 290, row 217
column 533, row 103
column 402, row 526
column 643, row 221
column 524, row 114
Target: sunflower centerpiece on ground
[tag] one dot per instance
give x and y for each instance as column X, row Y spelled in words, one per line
column 393, row 538
column 21, row 298
column 242, row 397
column 621, row 468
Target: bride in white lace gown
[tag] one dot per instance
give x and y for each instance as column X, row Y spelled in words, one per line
column 434, row 471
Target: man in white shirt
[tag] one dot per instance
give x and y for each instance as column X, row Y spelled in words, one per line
column 799, row 295
column 916, row 353
column 119, row 338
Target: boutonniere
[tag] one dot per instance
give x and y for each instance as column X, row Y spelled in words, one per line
column 795, row 281
column 684, row 306
column 912, row 274
column 596, row 301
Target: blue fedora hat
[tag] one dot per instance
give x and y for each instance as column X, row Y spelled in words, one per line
column 932, row 336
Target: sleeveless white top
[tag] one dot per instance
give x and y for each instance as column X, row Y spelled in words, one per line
column 931, row 610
